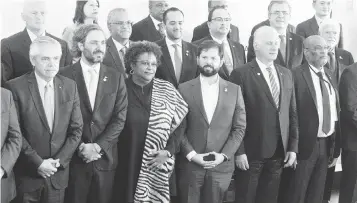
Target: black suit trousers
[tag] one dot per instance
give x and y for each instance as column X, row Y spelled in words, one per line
column 348, row 188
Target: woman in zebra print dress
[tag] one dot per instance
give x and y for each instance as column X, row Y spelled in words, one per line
column 148, row 142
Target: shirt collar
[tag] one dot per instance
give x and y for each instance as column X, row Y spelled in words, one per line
column 86, row 68
column 262, row 65
column 317, row 70
column 204, row 80
column 156, row 22
column 318, row 20
column 170, row 42
column 219, row 41
column 33, row 36
column 41, row 82
column 119, row 45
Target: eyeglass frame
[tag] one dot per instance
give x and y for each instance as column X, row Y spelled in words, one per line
column 221, row 20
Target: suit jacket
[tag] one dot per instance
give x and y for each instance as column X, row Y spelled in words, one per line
column 238, row 55
column 145, row 30
column 308, row 116
column 112, row 58
column 290, row 27
column 294, row 51
column 202, row 31
column 348, row 98
column 263, row 116
column 15, row 54
column 310, row 27
column 225, row 132
column 11, row 141
column 103, row 124
column 343, row 59
column 166, row 70
column 38, row 142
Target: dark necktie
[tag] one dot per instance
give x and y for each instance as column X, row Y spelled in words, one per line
column 227, row 58
column 326, row 123
column 162, row 29
column 332, row 61
column 275, row 92
column 122, row 56
column 283, row 46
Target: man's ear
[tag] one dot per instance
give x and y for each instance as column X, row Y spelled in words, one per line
column 80, row 46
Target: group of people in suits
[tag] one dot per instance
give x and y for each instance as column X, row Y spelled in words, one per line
column 145, row 116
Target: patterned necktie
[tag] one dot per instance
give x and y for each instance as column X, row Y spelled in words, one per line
column 283, row 46
column 49, row 105
column 178, row 62
column 92, row 86
column 161, row 29
column 122, row 55
column 275, row 92
column 326, row 123
column 227, row 58
column 332, row 61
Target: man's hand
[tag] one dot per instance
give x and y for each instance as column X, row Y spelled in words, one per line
column 160, row 157
column 218, row 159
column 88, row 152
column 198, row 159
column 333, row 163
column 242, row 162
column 2, row 172
column 290, row 159
column 48, row 167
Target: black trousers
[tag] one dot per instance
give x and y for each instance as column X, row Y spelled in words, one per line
column 308, row 180
column 89, row 185
column 348, row 188
column 45, row 194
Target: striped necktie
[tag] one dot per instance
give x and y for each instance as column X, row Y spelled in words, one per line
column 275, row 92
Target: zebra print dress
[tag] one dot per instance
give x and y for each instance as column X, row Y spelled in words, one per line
column 168, row 109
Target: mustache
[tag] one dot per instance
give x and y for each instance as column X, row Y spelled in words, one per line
column 98, row 51
column 208, row 66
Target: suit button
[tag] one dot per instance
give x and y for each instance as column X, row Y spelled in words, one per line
column 92, row 123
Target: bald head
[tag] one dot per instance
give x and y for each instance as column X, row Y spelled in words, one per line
column 266, row 44
column 315, row 50
column 34, row 14
column 157, row 8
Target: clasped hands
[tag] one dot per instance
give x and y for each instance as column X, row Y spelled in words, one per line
column 218, row 159
column 48, row 167
column 89, row 152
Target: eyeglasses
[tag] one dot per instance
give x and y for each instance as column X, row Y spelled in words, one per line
column 147, row 63
column 319, row 48
column 220, row 20
column 277, row 13
column 122, row 23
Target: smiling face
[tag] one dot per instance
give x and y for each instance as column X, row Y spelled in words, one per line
column 173, row 25
column 119, row 25
column 279, row 15
column 322, row 7
column 157, row 9
column 144, row 68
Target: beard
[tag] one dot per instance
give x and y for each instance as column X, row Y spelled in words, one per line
column 90, row 56
column 207, row 70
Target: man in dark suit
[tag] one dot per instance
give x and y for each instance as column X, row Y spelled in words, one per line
column 291, row 45
column 214, row 129
column 348, row 98
column 15, row 49
column 290, row 27
column 234, row 55
column 51, row 124
column 151, row 28
column 120, row 28
column 178, row 61
column 11, row 142
column 202, row 31
column 319, row 129
column 339, row 59
column 103, row 99
column 310, row 27
column 271, row 138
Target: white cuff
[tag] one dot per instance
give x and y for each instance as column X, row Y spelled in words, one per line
column 191, row 155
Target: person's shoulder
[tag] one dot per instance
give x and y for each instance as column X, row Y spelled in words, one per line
column 198, row 42
column 296, row 37
column 201, row 26
column 161, row 42
column 304, row 23
column 343, row 52
column 189, row 45
column 188, row 84
column 15, row 38
column 61, row 41
column 18, row 82
column 142, row 22
column 67, row 70
column 65, row 80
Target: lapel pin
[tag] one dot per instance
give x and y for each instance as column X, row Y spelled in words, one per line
column 290, row 38
column 105, row 78
column 225, row 89
column 341, row 57
column 60, row 87
column 187, row 52
column 258, row 73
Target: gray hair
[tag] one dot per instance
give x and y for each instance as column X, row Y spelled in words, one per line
column 80, row 35
column 113, row 12
column 278, row 2
column 329, row 22
column 260, row 33
column 35, row 45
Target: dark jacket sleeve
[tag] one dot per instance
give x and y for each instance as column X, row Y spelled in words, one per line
column 6, row 62
column 67, row 56
column 251, row 53
column 293, row 143
column 300, row 30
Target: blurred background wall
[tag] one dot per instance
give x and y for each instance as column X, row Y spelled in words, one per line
column 245, row 14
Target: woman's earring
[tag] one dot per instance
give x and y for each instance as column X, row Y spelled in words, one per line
column 131, row 71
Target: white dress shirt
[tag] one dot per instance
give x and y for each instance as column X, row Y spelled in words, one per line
column 319, row 20
column 332, row 97
column 265, row 72
column 221, row 42
column 171, row 49
column 156, row 23
column 119, row 46
column 210, row 93
column 92, row 91
column 41, row 83
column 33, row 36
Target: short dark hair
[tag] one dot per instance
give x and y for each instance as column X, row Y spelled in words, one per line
column 278, row 2
column 138, row 48
column 79, row 15
column 210, row 14
column 80, row 35
column 173, row 9
column 209, row 44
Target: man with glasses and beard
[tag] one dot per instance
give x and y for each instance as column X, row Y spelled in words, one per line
column 103, row 99
column 214, row 128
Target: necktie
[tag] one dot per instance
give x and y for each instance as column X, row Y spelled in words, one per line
column 332, row 61
column 275, row 92
column 227, row 58
column 92, row 86
column 161, row 29
column 283, row 46
column 49, row 105
column 178, row 62
column 326, row 123
column 122, row 55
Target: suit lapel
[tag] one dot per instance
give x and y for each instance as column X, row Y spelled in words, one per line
column 168, row 61
column 261, row 80
column 314, row 26
column 281, row 83
column 222, row 97
column 103, row 87
column 82, row 88
column 197, row 96
column 59, row 95
column 114, row 52
column 26, row 42
column 36, row 98
column 186, row 53
column 307, row 75
column 289, row 50
column 152, row 28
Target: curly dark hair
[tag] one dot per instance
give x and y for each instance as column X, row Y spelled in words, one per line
column 138, row 48
column 79, row 15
